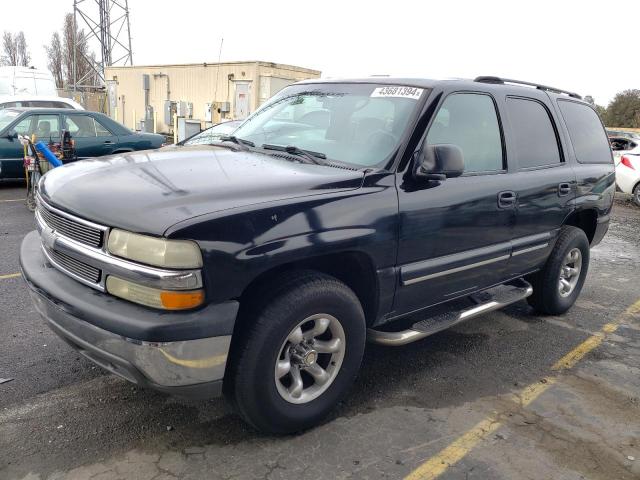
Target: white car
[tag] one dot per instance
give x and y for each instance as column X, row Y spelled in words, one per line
column 626, row 154
column 12, row 101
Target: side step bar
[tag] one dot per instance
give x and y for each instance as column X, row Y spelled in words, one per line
column 487, row 301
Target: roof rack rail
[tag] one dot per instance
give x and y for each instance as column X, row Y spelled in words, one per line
column 502, row 81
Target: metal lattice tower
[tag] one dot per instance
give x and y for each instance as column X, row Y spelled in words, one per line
column 108, row 23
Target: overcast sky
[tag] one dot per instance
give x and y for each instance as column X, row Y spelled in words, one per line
column 584, row 46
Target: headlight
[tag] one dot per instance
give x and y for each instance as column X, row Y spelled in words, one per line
column 153, row 297
column 159, row 252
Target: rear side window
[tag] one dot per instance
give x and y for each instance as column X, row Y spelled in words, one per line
column 533, row 134
column 470, row 121
column 589, row 139
column 61, row 105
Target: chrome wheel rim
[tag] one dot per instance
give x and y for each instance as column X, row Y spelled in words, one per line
column 310, row 358
column 570, row 272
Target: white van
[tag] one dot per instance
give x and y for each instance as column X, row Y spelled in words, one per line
column 23, row 80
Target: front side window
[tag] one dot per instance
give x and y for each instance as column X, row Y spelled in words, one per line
column 470, row 121
column 358, row 124
column 533, row 134
column 80, row 126
column 23, row 127
column 588, row 137
column 46, row 127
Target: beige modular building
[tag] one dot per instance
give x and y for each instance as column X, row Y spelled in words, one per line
column 209, row 92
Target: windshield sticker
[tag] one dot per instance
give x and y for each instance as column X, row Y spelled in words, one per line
column 395, row 91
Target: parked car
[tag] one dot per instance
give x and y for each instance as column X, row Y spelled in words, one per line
column 628, row 171
column 212, row 134
column 260, row 265
column 26, row 81
column 7, row 101
column 621, row 145
column 624, row 134
column 94, row 134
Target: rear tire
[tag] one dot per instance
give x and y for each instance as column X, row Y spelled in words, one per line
column 557, row 286
column 288, row 370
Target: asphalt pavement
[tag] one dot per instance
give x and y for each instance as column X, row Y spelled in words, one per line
column 511, row 395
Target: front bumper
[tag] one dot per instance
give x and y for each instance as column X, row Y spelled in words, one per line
column 182, row 353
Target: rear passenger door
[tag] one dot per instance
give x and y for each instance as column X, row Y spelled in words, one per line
column 91, row 138
column 544, row 182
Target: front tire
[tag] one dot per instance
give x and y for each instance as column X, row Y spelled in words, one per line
column 557, row 286
column 300, row 353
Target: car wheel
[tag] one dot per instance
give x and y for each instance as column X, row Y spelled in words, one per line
column 300, row 354
column 636, row 195
column 557, row 286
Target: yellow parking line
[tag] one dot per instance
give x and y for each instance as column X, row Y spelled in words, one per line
column 13, row 200
column 10, row 275
column 456, row 451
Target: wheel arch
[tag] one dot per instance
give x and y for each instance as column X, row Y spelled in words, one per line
column 354, row 268
column 584, row 219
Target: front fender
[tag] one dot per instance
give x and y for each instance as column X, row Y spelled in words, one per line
column 238, row 245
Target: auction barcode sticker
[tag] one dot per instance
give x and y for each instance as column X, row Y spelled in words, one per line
column 397, row 91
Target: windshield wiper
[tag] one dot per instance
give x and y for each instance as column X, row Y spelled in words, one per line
column 236, row 140
column 311, row 156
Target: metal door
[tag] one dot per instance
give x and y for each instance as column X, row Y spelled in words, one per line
column 241, row 100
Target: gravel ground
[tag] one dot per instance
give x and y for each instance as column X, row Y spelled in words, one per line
column 61, row 417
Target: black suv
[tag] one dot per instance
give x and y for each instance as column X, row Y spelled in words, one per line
column 261, row 264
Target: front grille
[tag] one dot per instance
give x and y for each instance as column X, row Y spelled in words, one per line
column 70, row 264
column 71, row 228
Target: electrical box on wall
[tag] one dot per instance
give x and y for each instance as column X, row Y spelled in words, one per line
column 181, row 109
column 208, row 112
column 169, row 111
column 225, row 107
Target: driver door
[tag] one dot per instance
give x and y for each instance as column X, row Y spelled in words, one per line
column 46, row 129
column 455, row 234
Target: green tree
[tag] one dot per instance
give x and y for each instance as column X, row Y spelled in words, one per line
column 624, row 110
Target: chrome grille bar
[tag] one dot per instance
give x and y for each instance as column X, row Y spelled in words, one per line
column 76, row 267
column 74, row 229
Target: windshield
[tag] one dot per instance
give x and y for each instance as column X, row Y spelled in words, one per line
column 359, row 124
column 213, row 134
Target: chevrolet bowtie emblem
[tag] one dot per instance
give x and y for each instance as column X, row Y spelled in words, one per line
column 48, row 237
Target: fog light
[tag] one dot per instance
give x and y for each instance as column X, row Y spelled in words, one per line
column 153, row 297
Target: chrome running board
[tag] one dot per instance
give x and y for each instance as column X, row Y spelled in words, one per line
column 487, row 301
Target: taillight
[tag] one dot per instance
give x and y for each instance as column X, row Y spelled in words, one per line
column 626, row 162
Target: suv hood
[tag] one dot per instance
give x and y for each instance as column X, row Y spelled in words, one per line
column 149, row 191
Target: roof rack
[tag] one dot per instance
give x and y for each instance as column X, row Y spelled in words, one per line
column 502, row 81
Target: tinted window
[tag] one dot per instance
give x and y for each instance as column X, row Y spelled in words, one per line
column 587, row 135
column 37, row 103
column 470, row 122
column 533, row 135
column 61, row 105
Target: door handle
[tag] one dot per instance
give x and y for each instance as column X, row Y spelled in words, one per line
column 108, row 142
column 507, row 199
column 564, row 189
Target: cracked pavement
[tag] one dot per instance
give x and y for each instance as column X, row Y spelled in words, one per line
column 63, row 418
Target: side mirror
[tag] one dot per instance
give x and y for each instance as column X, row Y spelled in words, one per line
column 11, row 135
column 439, row 162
